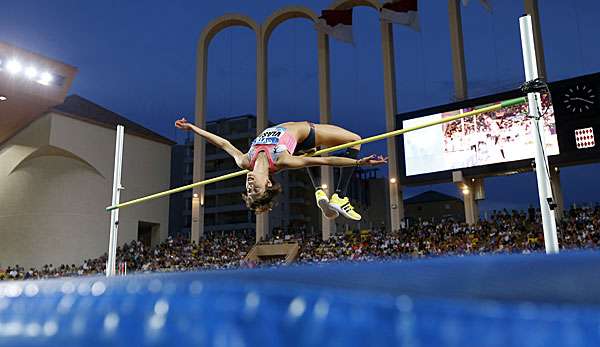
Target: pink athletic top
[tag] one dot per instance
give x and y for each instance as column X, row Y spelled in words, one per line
column 273, row 141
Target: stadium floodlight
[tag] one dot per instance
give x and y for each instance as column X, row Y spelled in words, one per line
column 45, row 78
column 13, row 66
column 3, row 98
column 31, row 72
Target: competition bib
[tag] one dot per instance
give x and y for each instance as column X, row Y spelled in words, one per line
column 269, row 136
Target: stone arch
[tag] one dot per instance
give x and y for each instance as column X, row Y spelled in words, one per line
column 209, row 32
column 346, row 4
column 204, row 40
column 224, row 22
column 284, row 14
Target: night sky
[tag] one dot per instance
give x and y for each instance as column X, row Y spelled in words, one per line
column 137, row 58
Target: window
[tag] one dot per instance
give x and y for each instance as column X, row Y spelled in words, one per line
column 148, row 233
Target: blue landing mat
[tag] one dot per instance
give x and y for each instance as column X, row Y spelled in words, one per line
column 516, row 300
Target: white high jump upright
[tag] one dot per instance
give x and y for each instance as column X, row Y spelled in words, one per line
column 542, row 170
column 116, row 194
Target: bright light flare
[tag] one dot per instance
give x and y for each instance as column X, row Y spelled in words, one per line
column 13, row 66
column 3, row 98
column 31, row 72
column 45, row 78
column 392, row 180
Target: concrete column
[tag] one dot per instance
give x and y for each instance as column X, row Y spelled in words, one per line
column 557, row 193
column 389, row 82
column 262, row 120
column 459, row 71
column 532, row 9
column 197, row 228
column 327, row 225
column 459, row 75
column 471, row 208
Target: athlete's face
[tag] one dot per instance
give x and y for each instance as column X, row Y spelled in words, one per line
column 256, row 184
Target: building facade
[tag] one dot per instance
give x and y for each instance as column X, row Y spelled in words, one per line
column 434, row 206
column 56, row 180
column 366, row 190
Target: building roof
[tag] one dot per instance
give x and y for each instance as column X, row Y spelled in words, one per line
column 430, row 196
column 85, row 110
column 231, row 118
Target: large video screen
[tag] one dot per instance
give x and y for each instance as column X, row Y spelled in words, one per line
column 489, row 138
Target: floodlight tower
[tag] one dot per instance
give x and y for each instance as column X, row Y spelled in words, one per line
column 29, row 84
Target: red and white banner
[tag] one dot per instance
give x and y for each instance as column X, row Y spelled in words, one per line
column 337, row 24
column 402, row 12
column 584, row 138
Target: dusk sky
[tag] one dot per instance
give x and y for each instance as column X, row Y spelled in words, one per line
column 137, row 58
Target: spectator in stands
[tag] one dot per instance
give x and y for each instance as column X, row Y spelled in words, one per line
column 503, row 232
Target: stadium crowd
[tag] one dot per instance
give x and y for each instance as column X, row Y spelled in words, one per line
column 503, row 232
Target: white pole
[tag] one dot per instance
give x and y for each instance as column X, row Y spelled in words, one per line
column 541, row 161
column 114, row 214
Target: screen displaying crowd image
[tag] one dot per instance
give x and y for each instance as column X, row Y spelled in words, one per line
column 488, row 138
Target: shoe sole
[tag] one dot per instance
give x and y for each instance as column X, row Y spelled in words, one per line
column 329, row 212
column 341, row 211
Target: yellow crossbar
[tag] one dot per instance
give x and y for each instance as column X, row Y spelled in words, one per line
column 383, row 136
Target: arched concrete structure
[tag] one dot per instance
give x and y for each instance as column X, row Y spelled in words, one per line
column 389, row 81
column 346, row 4
column 262, row 69
column 284, row 14
column 263, row 33
column 280, row 16
column 209, row 32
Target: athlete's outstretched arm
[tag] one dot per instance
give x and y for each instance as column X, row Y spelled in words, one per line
column 295, row 162
column 224, row 144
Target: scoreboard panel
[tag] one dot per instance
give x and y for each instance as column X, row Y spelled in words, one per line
column 571, row 132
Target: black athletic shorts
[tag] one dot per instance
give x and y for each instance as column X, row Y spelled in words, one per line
column 309, row 142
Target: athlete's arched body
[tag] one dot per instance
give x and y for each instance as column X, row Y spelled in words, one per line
column 280, row 147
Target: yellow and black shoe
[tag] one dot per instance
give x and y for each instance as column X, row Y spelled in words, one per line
column 343, row 206
column 323, row 203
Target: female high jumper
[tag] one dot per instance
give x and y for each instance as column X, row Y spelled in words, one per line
column 280, row 147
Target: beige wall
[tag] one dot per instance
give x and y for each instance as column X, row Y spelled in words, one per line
column 56, row 180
